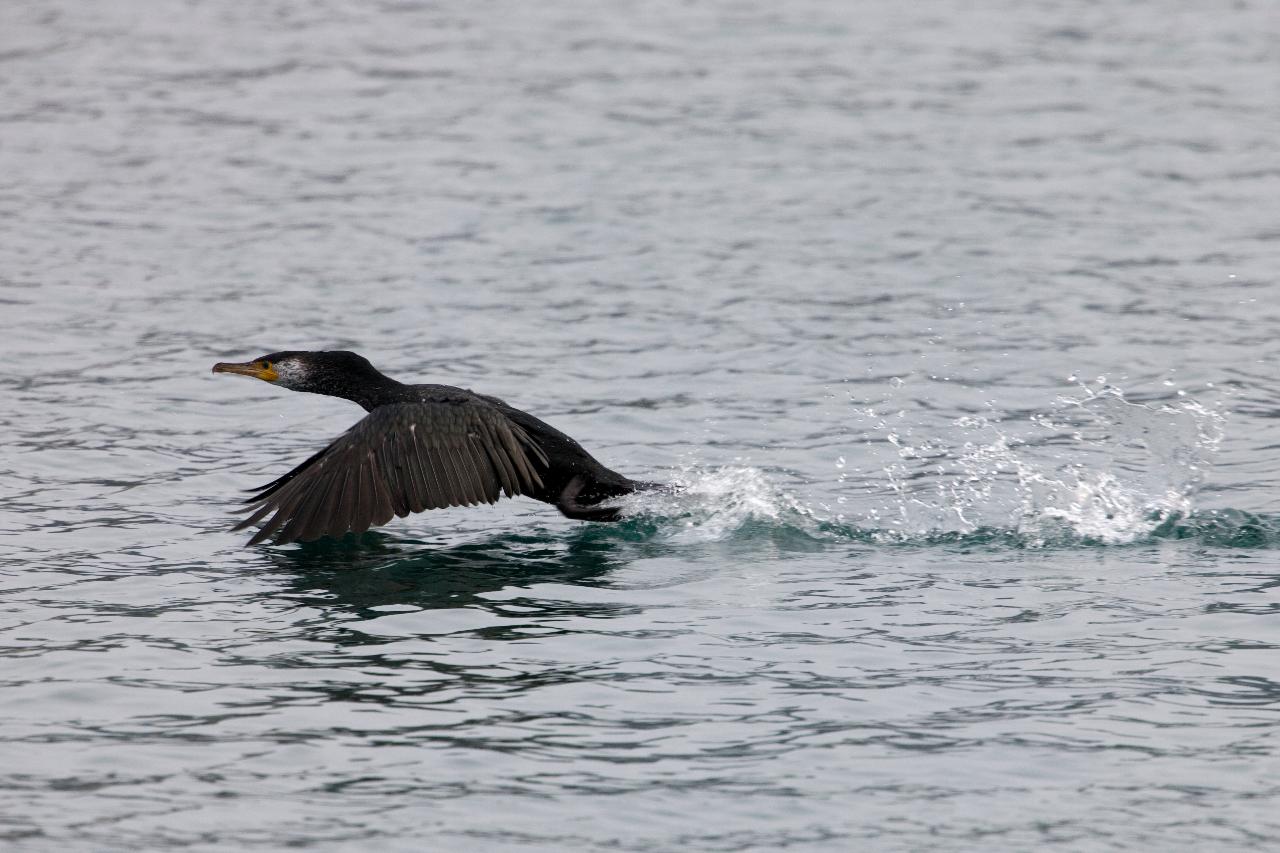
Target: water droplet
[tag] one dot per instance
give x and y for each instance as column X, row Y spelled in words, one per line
column 897, row 382
column 840, row 462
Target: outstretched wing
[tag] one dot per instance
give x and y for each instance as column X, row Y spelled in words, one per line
column 400, row 458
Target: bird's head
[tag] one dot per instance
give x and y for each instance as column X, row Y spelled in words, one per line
column 333, row 372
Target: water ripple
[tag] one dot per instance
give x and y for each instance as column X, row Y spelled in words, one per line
column 867, row 285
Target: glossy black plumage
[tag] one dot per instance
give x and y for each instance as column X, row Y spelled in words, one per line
column 420, row 447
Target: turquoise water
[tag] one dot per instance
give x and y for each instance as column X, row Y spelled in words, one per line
column 958, row 327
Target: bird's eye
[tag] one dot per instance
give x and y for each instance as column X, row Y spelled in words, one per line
column 265, row 365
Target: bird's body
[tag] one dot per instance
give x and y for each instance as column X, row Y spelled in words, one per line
column 419, row 447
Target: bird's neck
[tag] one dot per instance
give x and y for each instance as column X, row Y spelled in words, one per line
column 370, row 391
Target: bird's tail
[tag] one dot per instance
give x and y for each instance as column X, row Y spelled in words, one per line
column 581, row 497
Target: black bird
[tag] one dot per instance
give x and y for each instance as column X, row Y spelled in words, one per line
column 420, row 447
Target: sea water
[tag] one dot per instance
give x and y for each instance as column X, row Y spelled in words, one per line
column 956, row 325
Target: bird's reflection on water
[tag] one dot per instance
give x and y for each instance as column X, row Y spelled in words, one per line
column 345, row 587
column 355, row 576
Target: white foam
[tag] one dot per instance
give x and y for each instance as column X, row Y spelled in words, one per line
column 1098, row 465
column 1094, row 466
column 711, row 504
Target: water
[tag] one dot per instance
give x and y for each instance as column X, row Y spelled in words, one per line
column 958, row 325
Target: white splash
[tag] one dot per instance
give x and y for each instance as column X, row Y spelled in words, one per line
column 1097, row 466
column 711, row 504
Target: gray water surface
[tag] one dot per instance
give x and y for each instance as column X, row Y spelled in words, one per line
column 958, row 324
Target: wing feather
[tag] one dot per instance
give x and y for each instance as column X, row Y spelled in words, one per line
column 391, row 462
column 433, row 497
column 486, row 477
column 326, row 518
column 449, row 478
column 310, row 520
column 362, row 516
column 471, row 490
column 501, row 464
column 400, row 458
column 383, row 502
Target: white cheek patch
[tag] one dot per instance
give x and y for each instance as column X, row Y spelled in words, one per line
column 290, row 373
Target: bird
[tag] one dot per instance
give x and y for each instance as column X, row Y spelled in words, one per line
column 419, row 447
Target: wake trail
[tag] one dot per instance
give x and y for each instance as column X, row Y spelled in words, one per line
column 1095, row 469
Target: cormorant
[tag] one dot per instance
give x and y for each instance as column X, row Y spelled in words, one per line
column 420, row 447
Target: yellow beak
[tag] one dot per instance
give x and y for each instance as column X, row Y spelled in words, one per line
column 257, row 369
